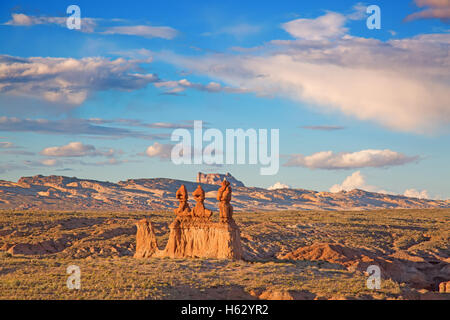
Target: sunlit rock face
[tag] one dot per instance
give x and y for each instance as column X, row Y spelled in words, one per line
column 217, row 178
column 69, row 194
column 146, row 244
column 203, row 239
column 192, row 233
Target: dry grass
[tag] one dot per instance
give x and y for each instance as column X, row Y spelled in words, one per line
column 101, row 244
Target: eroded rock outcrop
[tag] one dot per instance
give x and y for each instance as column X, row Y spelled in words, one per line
column 72, row 194
column 217, row 178
column 224, row 198
column 192, row 233
column 40, row 248
column 199, row 210
column 418, row 273
column 182, row 196
column 283, row 294
column 444, row 287
column 146, row 244
column 199, row 238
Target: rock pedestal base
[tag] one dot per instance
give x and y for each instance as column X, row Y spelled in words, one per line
column 191, row 238
column 146, row 245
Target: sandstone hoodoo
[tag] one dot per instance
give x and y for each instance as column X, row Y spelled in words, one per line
column 192, row 233
column 146, row 244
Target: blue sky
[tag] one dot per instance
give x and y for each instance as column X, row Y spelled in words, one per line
column 356, row 108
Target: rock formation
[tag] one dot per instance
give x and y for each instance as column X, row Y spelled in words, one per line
column 217, row 178
column 444, row 287
column 182, row 196
column 192, row 233
column 60, row 193
column 224, row 198
column 191, row 238
column 417, row 274
column 146, row 244
column 199, row 209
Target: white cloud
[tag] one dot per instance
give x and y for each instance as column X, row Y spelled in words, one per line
column 162, row 151
column 44, row 163
column 358, row 12
column 68, row 80
column 330, row 25
column 20, row 19
column 346, row 160
column 91, row 25
column 402, row 84
column 354, row 181
column 51, row 162
column 143, row 31
column 181, row 85
column 91, row 127
column 76, row 149
column 435, row 9
column 413, row 193
column 357, row 181
column 279, row 185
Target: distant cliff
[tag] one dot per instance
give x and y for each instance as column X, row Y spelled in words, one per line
column 217, row 178
column 65, row 193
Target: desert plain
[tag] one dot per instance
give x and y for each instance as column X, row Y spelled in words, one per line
column 290, row 255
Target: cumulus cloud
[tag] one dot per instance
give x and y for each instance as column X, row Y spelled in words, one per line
column 434, row 9
column 350, row 160
column 358, row 181
column 76, row 149
column 355, row 181
column 68, row 80
column 330, row 25
column 402, row 84
column 279, row 185
column 162, row 151
column 413, row 193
